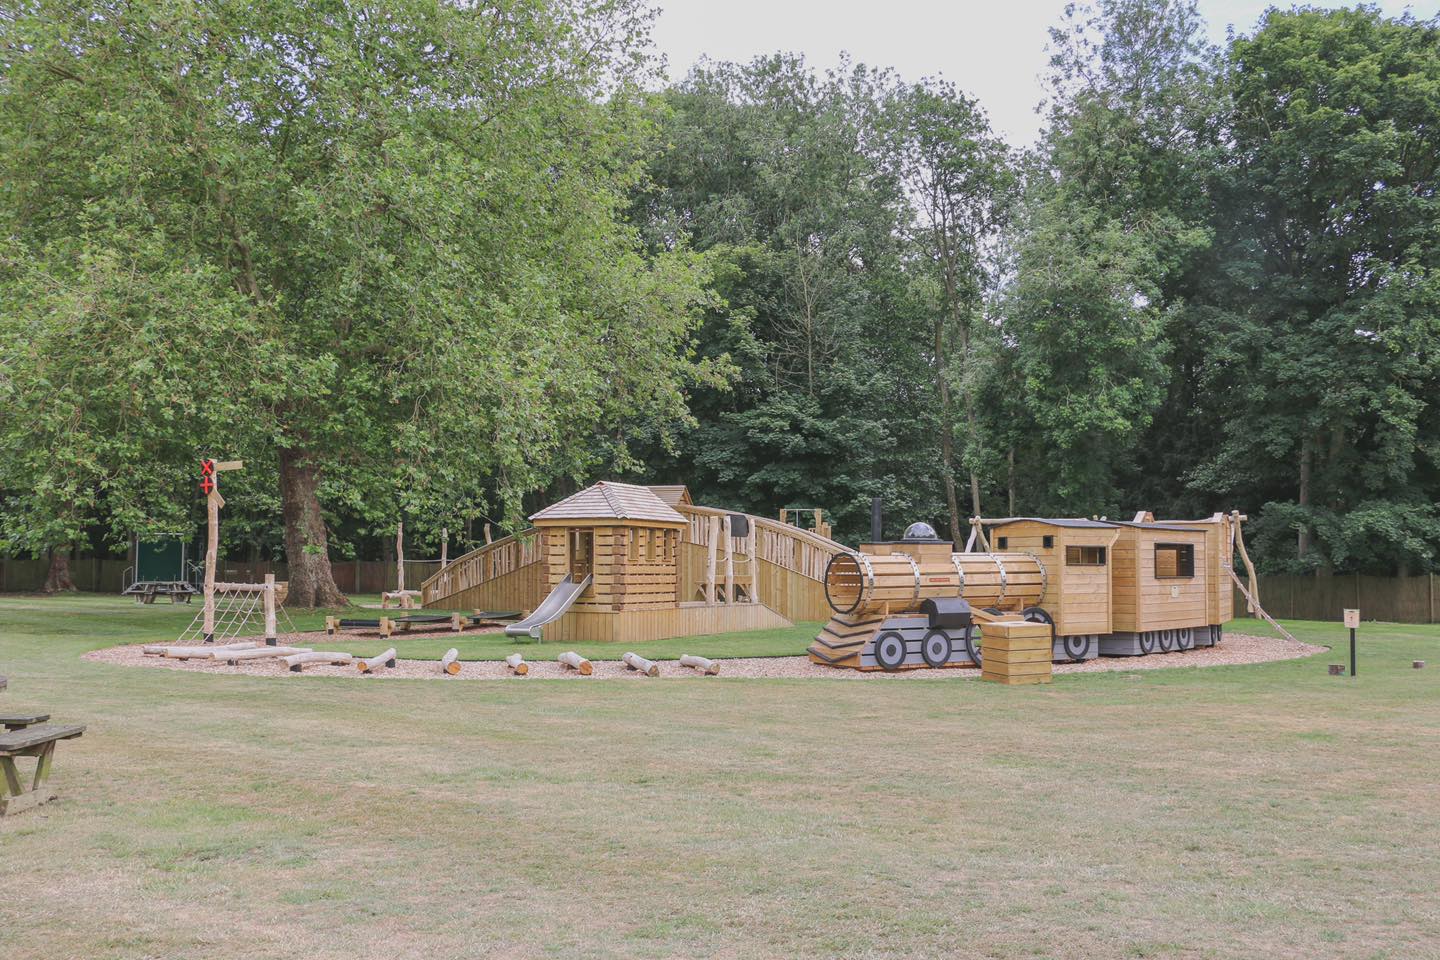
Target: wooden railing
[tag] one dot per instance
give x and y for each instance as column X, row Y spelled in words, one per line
column 482, row 564
column 788, row 547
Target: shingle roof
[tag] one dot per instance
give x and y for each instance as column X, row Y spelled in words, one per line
column 607, row 500
column 1054, row 522
column 673, row 494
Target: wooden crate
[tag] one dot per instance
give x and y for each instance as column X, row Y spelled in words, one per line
column 1015, row 653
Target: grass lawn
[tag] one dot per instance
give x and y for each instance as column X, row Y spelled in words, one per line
column 1255, row 811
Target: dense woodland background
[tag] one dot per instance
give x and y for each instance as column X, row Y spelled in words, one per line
column 448, row 261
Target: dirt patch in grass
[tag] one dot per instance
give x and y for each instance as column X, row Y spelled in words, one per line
column 1236, row 649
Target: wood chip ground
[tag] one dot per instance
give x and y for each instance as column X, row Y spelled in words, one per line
column 1236, row 649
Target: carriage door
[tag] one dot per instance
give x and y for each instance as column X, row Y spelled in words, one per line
column 582, row 554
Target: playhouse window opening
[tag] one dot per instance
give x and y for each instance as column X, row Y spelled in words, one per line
column 1079, row 556
column 1047, row 541
column 1174, row 561
column 1002, row 543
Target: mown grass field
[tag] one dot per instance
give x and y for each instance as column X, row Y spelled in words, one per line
column 1257, row 811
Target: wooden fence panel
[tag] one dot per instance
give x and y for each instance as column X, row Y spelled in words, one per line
column 1390, row 599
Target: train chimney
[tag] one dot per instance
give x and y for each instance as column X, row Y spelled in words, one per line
column 875, row 520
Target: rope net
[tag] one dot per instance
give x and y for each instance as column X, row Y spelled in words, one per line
column 237, row 613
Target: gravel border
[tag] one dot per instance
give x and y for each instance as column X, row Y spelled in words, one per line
column 1237, row 648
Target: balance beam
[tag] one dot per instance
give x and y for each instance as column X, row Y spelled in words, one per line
column 708, row 667
column 638, row 663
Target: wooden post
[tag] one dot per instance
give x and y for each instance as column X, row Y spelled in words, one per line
column 270, row 629
column 714, row 538
column 516, row 663
column 444, row 546
column 705, row 666
column 400, row 559
column 1253, row 600
column 450, row 663
column 729, row 563
column 211, row 471
column 488, row 541
column 752, row 544
column 212, row 551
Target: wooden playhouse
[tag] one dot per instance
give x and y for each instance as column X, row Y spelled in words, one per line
column 1105, row 587
column 621, row 562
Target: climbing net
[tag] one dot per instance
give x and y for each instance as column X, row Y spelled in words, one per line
column 238, row 612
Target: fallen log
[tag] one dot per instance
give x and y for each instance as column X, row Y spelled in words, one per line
column 450, row 663
column 386, row 659
column 574, row 661
column 163, row 649
column 700, row 663
column 517, row 664
column 636, row 662
column 298, row 661
column 261, row 653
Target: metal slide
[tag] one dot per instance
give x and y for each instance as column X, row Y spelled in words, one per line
column 552, row 608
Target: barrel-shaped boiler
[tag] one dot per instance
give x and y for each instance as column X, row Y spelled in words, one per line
column 858, row 584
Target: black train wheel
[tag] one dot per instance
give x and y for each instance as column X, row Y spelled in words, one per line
column 1040, row 615
column 1186, row 640
column 1075, row 647
column 936, row 648
column 970, row 645
column 890, row 650
column 1147, row 643
column 1167, row 641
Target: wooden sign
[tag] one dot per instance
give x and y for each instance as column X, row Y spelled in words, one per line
column 1352, row 619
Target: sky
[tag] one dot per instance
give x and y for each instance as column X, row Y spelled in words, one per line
column 994, row 51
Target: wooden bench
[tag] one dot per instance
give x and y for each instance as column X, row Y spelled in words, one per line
column 36, row 741
column 19, row 721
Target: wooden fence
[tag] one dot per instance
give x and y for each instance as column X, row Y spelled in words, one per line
column 1392, row 599
column 106, row 575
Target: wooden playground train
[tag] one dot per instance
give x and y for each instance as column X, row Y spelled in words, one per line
column 1105, row 587
column 619, row 562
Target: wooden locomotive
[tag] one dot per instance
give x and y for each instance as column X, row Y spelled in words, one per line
column 1113, row 588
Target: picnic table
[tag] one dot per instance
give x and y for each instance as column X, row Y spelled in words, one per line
column 29, row 735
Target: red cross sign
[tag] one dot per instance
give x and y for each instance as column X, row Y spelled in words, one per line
column 207, row 484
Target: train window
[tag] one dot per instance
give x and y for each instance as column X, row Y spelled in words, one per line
column 1174, row 560
column 1084, row 556
column 1048, row 542
column 1002, row 544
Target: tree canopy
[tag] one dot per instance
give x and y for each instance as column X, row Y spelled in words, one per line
column 439, row 262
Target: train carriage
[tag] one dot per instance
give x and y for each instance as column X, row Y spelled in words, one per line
column 1106, row 587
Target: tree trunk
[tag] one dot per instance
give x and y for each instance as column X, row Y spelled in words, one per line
column 307, row 547
column 58, row 578
column 1010, row 480
column 947, row 432
column 1302, row 539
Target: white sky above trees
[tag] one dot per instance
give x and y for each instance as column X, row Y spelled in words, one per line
column 994, row 50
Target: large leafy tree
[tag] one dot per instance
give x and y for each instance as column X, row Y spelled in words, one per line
column 1327, row 342
column 783, row 177
column 1109, row 250
column 961, row 181
column 396, row 224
